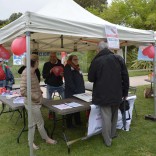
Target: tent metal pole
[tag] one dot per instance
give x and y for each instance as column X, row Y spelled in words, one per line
column 125, row 54
column 30, row 125
column 154, row 82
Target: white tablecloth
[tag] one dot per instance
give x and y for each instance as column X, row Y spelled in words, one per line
column 94, row 124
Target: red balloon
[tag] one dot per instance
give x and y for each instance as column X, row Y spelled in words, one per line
column 151, row 54
column 57, row 70
column 149, row 51
column 18, row 46
column 4, row 53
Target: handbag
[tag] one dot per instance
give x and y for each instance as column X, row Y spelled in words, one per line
column 124, row 106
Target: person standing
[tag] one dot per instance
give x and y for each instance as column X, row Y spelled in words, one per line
column 74, row 84
column 54, row 82
column 6, row 76
column 36, row 99
column 20, row 70
column 110, row 79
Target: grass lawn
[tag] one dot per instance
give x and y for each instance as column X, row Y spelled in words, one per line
column 139, row 141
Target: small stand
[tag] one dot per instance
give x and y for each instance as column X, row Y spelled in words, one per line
column 150, row 117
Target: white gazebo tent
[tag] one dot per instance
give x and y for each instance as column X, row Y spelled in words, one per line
column 63, row 25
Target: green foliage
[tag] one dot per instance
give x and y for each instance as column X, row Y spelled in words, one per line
column 142, row 65
column 13, row 17
column 133, row 13
column 92, row 3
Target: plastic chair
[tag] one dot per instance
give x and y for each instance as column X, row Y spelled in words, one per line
column 56, row 94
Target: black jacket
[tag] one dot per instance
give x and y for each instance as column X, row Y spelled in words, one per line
column 38, row 74
column 74, row 83
column 50, row 78
column 109, row 74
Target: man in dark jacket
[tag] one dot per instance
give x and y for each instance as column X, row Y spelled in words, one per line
column 109, row 74
column 54, row 81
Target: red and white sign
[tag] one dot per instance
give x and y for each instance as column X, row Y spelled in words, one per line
column 112, row 37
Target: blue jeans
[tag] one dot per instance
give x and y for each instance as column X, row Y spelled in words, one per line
column 2, row 83
column 52, row 89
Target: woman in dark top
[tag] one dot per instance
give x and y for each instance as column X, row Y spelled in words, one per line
column 74, row 84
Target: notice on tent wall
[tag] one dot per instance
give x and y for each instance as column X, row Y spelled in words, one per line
column 18, row 60
column 112, row 37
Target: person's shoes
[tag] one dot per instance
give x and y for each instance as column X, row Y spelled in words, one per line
column 114, row 136
column 109, row 145
column 51, row 141
column 35, row 147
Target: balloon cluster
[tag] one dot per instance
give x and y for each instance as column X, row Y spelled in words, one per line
column 18, row 46
column 4, row 53
column 57, row 70
column 149, row 51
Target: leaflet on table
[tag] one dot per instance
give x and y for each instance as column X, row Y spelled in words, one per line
column 73, row 104
column 18, row 100
column 67, row 105
column 84, row 96
column 62, row 106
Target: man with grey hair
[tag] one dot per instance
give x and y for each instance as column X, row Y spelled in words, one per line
column 110, row 79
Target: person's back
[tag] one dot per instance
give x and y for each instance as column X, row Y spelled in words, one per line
column 108, row 80
column 109, row 74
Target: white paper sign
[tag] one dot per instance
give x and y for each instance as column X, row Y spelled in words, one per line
column 112, row 37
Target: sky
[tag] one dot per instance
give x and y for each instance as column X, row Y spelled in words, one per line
column 7, row 7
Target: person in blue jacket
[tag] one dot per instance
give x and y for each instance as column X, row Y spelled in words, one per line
column 74, row 84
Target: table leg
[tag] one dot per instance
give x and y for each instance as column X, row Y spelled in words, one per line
column 3, row 106
column 64, row 134
column 54, row 124
column 24, row 125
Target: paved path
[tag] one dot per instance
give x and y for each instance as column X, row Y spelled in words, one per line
column 138, row 81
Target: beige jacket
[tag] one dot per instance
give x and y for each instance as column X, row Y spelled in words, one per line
column 36, row 93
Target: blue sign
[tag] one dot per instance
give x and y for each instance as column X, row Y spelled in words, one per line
column 18, row 60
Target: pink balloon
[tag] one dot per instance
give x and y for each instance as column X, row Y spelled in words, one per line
column 18, row 46
column 4, row 53
column 57, row 70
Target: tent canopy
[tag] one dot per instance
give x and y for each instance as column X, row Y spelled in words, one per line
column 63, row 25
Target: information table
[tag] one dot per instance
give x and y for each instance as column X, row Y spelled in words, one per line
column 14, row 107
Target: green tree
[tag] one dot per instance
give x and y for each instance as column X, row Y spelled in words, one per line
column 92, row 3
column 13, row 17
column 133, row 13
